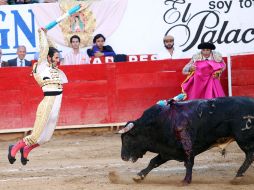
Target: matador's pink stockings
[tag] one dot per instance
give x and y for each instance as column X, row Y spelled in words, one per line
column 27, row 149
column 20, row 144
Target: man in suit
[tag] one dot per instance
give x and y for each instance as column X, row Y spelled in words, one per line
column 20, row 61
column 2, row 63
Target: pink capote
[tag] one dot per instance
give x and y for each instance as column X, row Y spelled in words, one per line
column 202, row 84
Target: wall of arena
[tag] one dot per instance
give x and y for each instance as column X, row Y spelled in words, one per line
column 107, row 93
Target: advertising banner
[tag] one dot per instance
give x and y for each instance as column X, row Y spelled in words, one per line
column 133, row 27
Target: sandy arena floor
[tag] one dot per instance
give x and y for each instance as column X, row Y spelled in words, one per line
column 83, row 161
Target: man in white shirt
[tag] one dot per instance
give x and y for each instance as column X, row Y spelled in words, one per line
column 75, row 56
column 169, row 52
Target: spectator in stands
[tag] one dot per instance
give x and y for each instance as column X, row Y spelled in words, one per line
column 48, row 1
column 15, row 2
column 169, row 52
column 20, row 61
column 75, row 56
column 51, row 80
column 3, row 2
column 99, row 49
column 204, row 71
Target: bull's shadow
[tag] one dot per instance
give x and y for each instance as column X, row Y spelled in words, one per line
column 182, row 130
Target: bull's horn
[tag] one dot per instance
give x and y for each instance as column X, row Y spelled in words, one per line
column 127, row 128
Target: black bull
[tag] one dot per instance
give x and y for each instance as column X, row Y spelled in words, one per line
column 185, row 129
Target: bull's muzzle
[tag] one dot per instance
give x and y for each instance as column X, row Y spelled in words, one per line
column 128, row 127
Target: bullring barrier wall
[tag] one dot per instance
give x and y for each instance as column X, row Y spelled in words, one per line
column 106, row 93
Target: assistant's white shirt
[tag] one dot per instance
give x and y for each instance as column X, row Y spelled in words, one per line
column 19, row 62
column 166, row 55
column 76, row 59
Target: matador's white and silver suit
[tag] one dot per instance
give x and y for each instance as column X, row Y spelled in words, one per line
column 51, row 80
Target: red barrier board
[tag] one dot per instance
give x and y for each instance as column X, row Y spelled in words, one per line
column 242, row 75
column 96, row 93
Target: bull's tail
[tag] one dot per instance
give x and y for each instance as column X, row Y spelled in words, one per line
column 222, row 143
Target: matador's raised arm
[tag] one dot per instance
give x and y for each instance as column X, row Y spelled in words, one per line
column 45, row 43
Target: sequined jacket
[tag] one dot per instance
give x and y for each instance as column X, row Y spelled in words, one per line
column 49, row 77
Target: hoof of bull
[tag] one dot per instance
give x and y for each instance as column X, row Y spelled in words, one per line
column 138, row 178
column 237, row 180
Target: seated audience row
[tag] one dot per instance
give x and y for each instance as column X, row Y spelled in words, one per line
column 15, row 2
column 74, row 57
column 77, row 56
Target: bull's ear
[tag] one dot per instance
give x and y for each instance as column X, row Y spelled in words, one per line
column 127, row 128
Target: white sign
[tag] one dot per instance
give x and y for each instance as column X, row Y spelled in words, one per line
column 138, row 26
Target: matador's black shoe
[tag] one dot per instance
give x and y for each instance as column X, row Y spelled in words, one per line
column 22, row 158
column 11, row 158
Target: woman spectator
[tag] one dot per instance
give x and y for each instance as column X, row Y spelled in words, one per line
column 99, row 49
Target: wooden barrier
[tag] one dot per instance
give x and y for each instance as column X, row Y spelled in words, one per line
column 99, row 93
column 242, row 75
